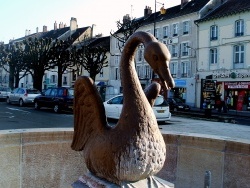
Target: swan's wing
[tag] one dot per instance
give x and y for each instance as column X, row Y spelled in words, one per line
column 152, row 91
column 89, row 112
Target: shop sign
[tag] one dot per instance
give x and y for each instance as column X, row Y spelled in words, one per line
column 237, row 85
column 179, row 83
column 232, row 75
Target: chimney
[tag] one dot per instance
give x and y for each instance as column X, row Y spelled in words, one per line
column 60, row 25
column 36, row 29
column 147, row 11
column 55, row 26
column 183, row 3
column 44, row 28
column 93, row 28
column 126, row 19
column 73, row 24
column 26, row 32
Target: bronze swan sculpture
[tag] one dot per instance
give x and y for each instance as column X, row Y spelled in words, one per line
column 134, row 149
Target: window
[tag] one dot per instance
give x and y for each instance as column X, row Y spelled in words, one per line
column 185, row 27
column 116, row 43
column 184, row 69
column 214, row 32
column 116, row 100
column 173, row 69
column 213, row 56
column 165, row 32
column 175, row 30
column 138, row 70
column 140, row 55
column 238, row 54
column 156, row 33
column 239, row 28
column 117, row 75
column 116, row 60
column 184, row 48
column 174, row 51
column 101, row 73
column 47, row 92
column 74, row 75
column 65, row 80
column 147, row 71
column 53, row 79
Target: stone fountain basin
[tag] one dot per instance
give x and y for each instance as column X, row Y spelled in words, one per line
column 43, row 158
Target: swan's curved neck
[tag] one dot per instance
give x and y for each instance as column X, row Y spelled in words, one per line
column 129, row 79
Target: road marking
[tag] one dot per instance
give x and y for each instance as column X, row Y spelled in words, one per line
column 6, row 115
column 16, row 109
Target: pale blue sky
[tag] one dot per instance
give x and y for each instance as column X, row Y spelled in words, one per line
column 18, row 15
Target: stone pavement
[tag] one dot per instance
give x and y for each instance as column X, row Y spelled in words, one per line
column 187, row 126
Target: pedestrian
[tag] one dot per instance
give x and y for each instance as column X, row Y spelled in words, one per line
column 228, row 101
column 223, row 105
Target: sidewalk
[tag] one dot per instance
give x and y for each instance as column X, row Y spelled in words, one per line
column 232, row 113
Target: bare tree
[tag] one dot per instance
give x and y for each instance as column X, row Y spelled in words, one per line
column 125, row 29
column 11, row 59
column 92, row 57
column 37, row 58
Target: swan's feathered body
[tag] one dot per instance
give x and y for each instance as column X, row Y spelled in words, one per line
column 134, row 149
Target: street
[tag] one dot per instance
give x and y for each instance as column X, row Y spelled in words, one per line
column 15, row 117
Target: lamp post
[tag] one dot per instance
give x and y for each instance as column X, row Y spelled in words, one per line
column 196, row 70
column 153, row 74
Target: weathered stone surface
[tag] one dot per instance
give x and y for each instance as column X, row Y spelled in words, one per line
column 91, row 181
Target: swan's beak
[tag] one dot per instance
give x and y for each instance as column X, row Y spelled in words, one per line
column 166, row 78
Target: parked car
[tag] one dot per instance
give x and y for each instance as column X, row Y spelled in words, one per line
column 113, row 108
column 4, row 92
column 177, row 104
column 22, row 96
column 58, row 99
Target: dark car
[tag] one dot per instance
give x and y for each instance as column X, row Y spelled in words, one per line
column 59, row 99
column 177, row 104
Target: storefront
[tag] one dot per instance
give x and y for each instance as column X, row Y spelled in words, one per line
column 238, row 94
column 180, row 90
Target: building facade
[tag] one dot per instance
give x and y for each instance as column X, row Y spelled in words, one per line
column 224, row 43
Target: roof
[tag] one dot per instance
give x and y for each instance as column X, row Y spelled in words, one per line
column 176, row 11
column 101, row 41
column 54, row 34
column 228, row 8
column 78, row 32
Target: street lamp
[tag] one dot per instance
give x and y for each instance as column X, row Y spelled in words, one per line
column 162, row 12
column 196, row 72
column 155, row 13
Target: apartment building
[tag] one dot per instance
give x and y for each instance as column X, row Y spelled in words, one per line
column 223, row 46
column 174, row 27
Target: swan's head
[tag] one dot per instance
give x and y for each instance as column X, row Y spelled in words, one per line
column 158, row 57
